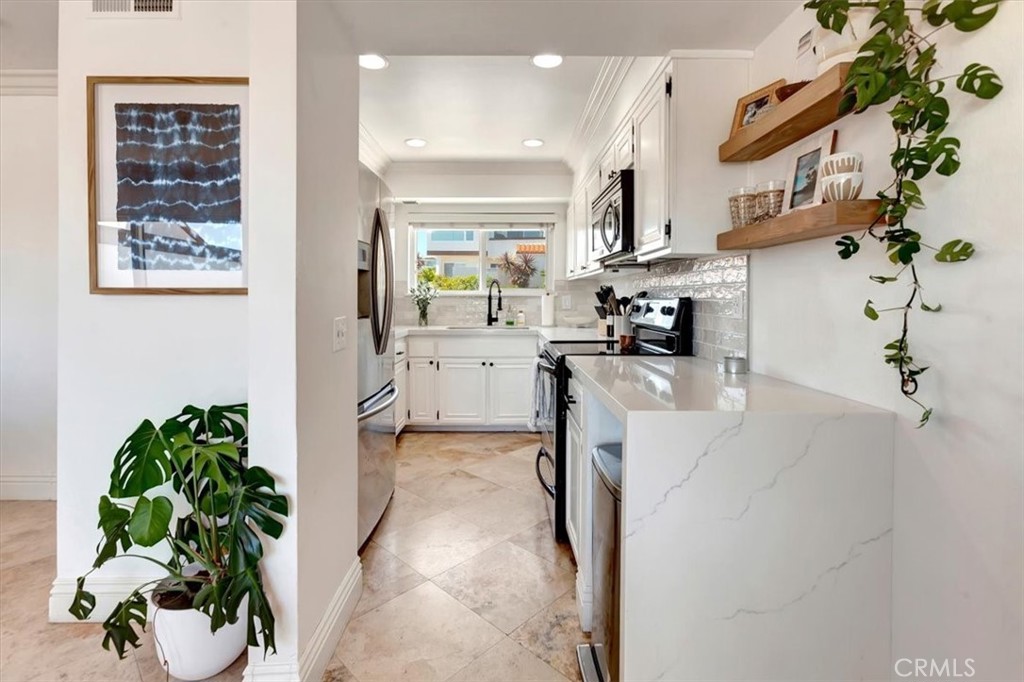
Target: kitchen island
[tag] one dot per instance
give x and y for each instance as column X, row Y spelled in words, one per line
column 756, row 529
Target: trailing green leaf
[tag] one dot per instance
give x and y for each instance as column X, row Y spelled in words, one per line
column 882, row 279
column 930, row 309
column 847, row 246
column 83, row 602
column 955, row 251
column 120, row 624
column 114, row 524
column 869, row 310
column 980, row 81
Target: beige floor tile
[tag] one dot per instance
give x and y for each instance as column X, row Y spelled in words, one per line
column 552, row 635
column 506, row 584
column 418, row 466
column 451, row 488
column 504, row 511
column 509, row 442
column 506, row 661
column 338, row 672
column 385, row 576
column 438, row 543
column 541, row 541
column 403, row 510
column 421, row 636
column 505, row 471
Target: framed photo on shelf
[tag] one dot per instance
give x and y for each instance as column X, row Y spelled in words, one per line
column 167, row 184
column 748, row 106
column 803, row 182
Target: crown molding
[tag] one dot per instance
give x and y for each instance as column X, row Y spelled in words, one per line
column 371, row 153
column 609, row 79
column 28, row 82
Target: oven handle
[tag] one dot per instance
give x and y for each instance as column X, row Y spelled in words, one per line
column 548, row 488
column 550, row 369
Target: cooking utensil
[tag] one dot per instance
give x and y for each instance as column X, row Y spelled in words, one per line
column 602, row 312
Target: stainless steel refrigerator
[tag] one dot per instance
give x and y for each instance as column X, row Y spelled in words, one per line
column 376, row 381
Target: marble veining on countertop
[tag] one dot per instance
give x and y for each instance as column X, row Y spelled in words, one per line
column 543, row 333
column 685, row 384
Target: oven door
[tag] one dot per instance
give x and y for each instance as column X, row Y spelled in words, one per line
column 546, row 418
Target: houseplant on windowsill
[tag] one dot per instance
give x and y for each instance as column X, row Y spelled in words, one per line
column 422, row 295
column 211, row 600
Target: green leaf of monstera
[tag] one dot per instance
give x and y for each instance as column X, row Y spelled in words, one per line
column 930, row 309
column 912, row 160
column 903, row 252
column 253, row 501
column 881, row 279
column 980, row 81
column 114, row 524
column 847, row 246
column 945, row 151
column 141, row 463
column 911, row 194
column 83, row 602
column 970, row 15
column 831, row 14
column 955, row 251
column 120, row 624
column 249, row 583
column 925, row 416
column 151, row 520
column 869, row 310
column 932, row 12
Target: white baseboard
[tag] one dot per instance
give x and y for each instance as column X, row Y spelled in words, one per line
column 584, row 603
column 318, row 651
column 35, row 487
column 108, row 590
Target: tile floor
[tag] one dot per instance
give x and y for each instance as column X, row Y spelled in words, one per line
column 462, row 581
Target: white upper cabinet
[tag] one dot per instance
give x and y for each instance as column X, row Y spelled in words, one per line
column 606, row 167
column 569, row 240
column 651, row 229
column 581, row 211
column 623, row 147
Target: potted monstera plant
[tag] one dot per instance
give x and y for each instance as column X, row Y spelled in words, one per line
column 209, row 602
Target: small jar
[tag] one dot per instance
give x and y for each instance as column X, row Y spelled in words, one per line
column 769, row 198
column 743, row 206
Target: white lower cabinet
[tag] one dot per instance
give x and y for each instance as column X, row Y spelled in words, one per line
column 401, row 405
column 510, row 391
column 422, row 394
column 462, row 391
column 574, row 492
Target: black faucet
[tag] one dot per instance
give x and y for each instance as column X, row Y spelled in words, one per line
column 491, row 319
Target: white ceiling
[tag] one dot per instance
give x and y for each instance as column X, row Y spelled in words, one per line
column 568, row 27
column 28, row 34
column 473, row 108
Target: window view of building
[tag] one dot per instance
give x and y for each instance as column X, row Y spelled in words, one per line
column 468, row 260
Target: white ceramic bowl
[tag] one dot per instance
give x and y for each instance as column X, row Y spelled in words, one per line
column 842, row 162
column 842, row 187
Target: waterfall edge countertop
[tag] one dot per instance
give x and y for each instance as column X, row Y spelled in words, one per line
column 646, row 383
column 542, row 333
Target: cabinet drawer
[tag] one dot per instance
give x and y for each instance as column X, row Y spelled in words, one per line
column 489, row 346
column 421, row 347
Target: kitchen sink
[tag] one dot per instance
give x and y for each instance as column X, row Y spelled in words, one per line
column 483, row 327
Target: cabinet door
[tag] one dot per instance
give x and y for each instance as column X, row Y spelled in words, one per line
column 422, row 393
column 402, row 404
column 462, row 391
column 624, row 147
column 606, row 166
column 651, row 171
column 574, row 461
column 569, row 240
column 581, row 210
column 510, row 391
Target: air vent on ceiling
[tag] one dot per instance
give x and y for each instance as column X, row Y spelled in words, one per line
column 125, row 8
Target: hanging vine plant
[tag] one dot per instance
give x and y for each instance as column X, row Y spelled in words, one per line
column 897, row 62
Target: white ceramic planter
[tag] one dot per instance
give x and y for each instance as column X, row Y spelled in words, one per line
column 188, row 650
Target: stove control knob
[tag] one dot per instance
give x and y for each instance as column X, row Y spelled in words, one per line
column 648, row 309
column 668, row 310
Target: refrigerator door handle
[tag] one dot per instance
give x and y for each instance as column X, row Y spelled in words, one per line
column 389, row 285
column 379, row 248
column 385, row 400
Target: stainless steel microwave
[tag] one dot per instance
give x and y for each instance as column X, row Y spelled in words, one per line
column 611, row 217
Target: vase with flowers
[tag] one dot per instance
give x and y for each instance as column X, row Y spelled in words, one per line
column 422, row 295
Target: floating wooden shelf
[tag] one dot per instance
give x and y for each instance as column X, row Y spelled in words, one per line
column 809, row 110
column 797, row 226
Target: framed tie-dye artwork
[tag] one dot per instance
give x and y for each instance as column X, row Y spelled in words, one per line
column 167, row 184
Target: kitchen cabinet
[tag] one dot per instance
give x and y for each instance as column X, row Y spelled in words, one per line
column 606, row 166
column 623, row 147
column 462, row 391
column 422, row 384
column 574, row 453
column 569, row 240
column 510, row 391
column 401, row 383
column 651, row 228
column 581, row 212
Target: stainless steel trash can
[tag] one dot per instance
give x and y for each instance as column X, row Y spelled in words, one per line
column 599, row 660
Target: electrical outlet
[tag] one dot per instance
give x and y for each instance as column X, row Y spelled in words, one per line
column 340, row 337
column 566, row 302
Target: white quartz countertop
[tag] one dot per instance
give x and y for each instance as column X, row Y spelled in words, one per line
column 543, row 333
column 683, row 384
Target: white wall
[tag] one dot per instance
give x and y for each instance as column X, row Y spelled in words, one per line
column 125, row 358
column 480, row 181
column 28, row 288
column 959, row 485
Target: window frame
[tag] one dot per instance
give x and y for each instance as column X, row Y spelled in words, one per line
column 476, row 224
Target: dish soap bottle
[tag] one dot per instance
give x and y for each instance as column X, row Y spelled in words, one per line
column 520, row 318
column 510, row 317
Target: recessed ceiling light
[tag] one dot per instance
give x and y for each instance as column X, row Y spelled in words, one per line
column 533, row 142
column 416, row 142
column 546, row 61
column 373, row 61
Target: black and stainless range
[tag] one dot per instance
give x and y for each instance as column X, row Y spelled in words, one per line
column 662, row 327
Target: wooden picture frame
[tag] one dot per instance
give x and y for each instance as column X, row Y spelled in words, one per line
column 141, row 241
column 749, row 104
column 805, row 167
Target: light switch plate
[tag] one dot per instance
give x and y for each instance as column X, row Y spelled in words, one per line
column 340, row 337
column 566, row 302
